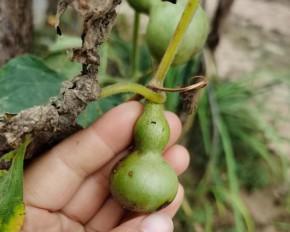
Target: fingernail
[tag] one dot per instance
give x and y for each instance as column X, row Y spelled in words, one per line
column 158, row 222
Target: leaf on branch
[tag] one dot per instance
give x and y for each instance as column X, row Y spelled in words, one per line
column 50, row 123
column 11, row 191
column 26, row 81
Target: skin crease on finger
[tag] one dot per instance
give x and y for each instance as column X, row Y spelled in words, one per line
column 102, row 127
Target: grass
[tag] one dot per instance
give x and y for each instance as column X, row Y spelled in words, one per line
column 231, row 138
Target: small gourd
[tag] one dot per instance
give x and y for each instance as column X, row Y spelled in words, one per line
column 143, row 182
column 164, row 18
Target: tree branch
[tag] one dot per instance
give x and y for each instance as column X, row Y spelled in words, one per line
column 56, row 120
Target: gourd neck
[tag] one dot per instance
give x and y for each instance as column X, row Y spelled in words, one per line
column 151, row 130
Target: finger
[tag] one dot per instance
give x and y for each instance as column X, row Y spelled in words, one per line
column 172, row 209
column 106, row 218
column 41, row 220
column 52, row 180
column 94, row 191
column 178, row 158
column 137, row 222
column 155, row 222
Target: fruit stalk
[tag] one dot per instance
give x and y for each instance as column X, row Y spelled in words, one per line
column 134, row 88
column 176, row 40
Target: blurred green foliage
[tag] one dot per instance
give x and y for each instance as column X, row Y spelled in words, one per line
column 25, row 82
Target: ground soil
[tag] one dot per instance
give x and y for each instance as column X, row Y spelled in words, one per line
column 256, row 40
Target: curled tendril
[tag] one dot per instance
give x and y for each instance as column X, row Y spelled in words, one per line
column 196, row 86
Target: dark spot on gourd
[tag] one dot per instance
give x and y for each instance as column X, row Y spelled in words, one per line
column 130, row 174
column 153, row 122
column 164, row 205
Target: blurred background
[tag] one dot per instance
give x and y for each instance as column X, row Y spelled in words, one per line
column 238, row 128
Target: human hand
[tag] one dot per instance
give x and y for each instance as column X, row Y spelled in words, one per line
column 67, row 189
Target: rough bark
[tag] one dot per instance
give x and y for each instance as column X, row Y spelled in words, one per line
column 16, row 28
column 51, row 123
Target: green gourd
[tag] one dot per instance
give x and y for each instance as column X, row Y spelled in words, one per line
column 143, row 182
column 164, row 18
column 142, row 6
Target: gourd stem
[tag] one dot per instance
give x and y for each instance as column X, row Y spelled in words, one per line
column 176, row 40
column 133, row 88
column 135, row 49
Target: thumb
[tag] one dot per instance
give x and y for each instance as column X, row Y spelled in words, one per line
column 157, row 222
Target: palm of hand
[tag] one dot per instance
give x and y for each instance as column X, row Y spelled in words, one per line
column 67, row 189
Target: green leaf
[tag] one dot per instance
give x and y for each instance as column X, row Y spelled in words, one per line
column 119, row 53
column 25, row 82
column 61, row 63
column 95, row 109
column 11, row 192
